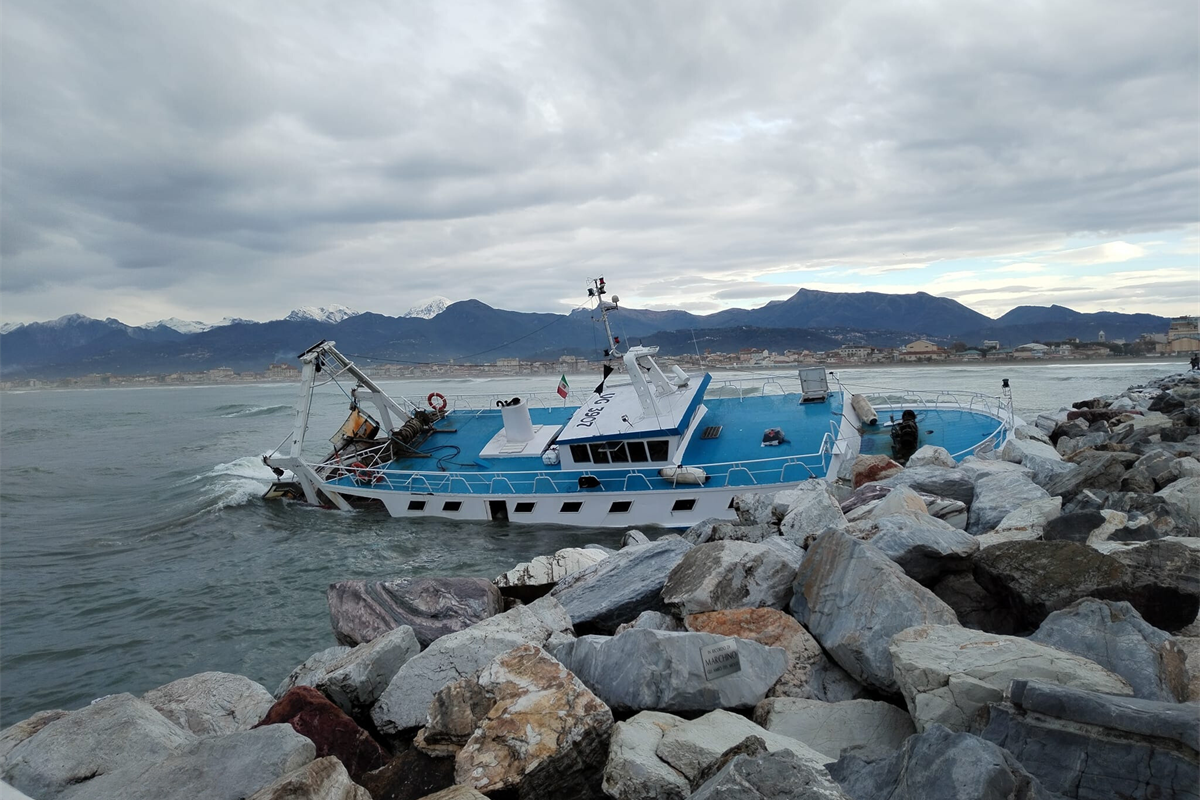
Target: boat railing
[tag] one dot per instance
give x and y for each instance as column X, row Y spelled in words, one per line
column 997, row 407
column 747, row 472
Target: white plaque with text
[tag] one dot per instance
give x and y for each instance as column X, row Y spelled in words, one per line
column 720, row 659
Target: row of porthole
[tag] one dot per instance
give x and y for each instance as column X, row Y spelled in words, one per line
column 569, row 507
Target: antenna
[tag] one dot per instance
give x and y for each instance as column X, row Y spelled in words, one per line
column 598, row 290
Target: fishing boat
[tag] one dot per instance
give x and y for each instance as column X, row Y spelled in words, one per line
column 650, row 445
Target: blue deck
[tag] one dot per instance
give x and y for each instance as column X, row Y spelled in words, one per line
column 736, row 457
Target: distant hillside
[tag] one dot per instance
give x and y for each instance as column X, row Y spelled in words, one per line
column 474, row 332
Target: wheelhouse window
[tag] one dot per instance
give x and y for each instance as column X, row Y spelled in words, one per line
column 600, row 453
column 580, row 454
column 658, row 449
column 637, row 452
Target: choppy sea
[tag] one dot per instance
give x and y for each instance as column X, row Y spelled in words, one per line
column 135, row 548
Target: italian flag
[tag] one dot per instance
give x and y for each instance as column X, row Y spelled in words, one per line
column 563, row 387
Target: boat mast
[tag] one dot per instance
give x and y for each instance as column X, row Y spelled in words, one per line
column 598, row 290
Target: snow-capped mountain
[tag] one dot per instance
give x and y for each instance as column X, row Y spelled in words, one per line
column 332, row 313
column 181, row 325
column 10, row 326
column 427, row 309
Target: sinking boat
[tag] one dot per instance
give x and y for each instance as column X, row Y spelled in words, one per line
column 649, row 446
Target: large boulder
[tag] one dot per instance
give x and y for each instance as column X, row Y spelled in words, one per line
column 1151, row 472
column 812, row 508
column 933, row 456
column 311, row 670
column 1163, row 581
column 869, row 469
column 724, row 575
column 432, row 607
column 692, row 746
column 940, row 764
column 948, row 673
column 1037, row 578
column 545, row 734
column 1103, row 471
column 601, row 597
column 853, row 599
column 356, row 680
column 810, row 673
column 404, row 704
column 1185, row 494
column 832, row 728
column 1027, row 522
column 333, row 733
column 769, row 776
column 998, row 495
column 1114, row 635
column 212, row 703
column 1093, row 746
column 955, row 484
column 1153, row 516
column 925, row 548
column 227, row 767
column 18, row 732
column 633, row 770
column 530, row 580
column 114, row 733
column 323, row 779
column 412, row 775
column 975, row 606
column 658, row 670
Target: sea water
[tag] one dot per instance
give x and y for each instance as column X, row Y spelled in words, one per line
column 135, row 548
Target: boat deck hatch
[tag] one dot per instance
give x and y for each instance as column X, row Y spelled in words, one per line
column 711, row 432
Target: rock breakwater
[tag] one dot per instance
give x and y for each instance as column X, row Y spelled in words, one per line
column 1020, row 625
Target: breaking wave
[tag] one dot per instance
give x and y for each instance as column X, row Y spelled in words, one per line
column 241, row 410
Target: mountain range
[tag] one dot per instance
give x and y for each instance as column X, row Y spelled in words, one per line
column 470, row 331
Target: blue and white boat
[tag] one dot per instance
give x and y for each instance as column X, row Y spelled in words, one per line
column 649, row 446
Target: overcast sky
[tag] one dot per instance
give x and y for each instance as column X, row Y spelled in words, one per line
column 210, row 159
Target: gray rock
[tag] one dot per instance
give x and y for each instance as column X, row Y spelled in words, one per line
column 1116, row 637
column 323, row 779
column 1076, row 526
column 1093, row 746
column 940, row 764
column 432, row 607
column 998, row 495
column 601, row 597
column 853, row 599
column 113, row 733
column 659, row 670
column 933, row 456
column 1152, row 472
column 1103, row 471
column 228, row 767
column 702, row 531
column 1068, row 446
column 530, row 580
column 756, row 508
column 976, row 468
column 831, row 728
column 952, row 483
column 654, row 620
column 1154, row 516
column 9, row 793
column 633, row 770
column 789, row 552
column 1017, row 450
column 1162, row 581
column 357, row 680
column 770, row 776
column 693, row 745
column 405, row 702
column 1185, row 494
column 13, row 735
column 924, row 547
column 723, row 575
column 311, row 670
column 1027, row 522
column 634, row 537
column 1187, row 467
column 948, row 673
column 812, row 509
column 212, row 703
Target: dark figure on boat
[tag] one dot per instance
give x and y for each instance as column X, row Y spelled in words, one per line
column 1195, row 361
column 904, row 436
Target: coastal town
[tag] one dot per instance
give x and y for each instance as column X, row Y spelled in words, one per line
column 1180, row 340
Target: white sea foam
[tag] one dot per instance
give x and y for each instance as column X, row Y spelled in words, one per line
column 234, row 483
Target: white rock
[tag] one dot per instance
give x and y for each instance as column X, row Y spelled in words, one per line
column 1184, row 493
column 812, row 509
column 323, row 779
column 549, row 570
column 831, row 728
column 212, row 703
column 355, row 682
column 931, row 454
column 1025, row 523
column 948, row 673
column 634, row 771
column 691, row 746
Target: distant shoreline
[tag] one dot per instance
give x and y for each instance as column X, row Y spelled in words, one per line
column 1150, row 361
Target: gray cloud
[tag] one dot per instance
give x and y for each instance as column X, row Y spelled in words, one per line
column 209, row 160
